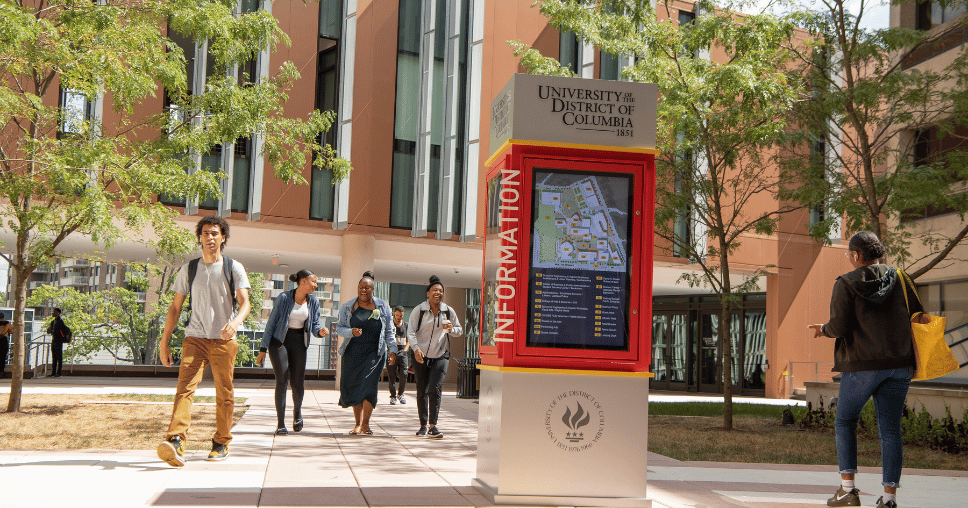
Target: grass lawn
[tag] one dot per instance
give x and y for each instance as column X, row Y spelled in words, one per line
column 115, row 422
column 694, row 431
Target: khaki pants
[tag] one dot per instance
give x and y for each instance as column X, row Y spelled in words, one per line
column 196, row 353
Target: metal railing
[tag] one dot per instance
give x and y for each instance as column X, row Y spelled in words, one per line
column 319, row 357
column 957, row 339
column 806, row 372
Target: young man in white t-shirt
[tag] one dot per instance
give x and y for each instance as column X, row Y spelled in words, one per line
column 209, row 339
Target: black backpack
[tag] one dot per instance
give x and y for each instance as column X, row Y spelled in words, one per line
column 449, row 317
column 227, row 265
column 420, row 318
column 66, row 334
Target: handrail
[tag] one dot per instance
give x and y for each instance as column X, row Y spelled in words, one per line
column 40, row 343
column 959, row 342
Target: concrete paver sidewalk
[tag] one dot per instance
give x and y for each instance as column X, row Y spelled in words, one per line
column 322, row 466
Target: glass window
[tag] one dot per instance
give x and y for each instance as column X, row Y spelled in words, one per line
column 754, row 350
column 472, row 323
column 955, row 296
column 75, row 111
column 660, row 327
column 240, row 175
column 405, row 115
column 568, row 51
column 680, row 348
column 408, row 295
column 330, row 18
column 609, row 66
column 327, row 92
column 212, row 162
column 930, row 297
column 682, row 225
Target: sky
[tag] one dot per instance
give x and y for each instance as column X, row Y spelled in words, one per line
column 877, row 13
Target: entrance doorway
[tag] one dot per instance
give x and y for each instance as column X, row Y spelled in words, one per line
column 686, row 346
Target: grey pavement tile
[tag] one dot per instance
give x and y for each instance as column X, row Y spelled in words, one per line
column 330, row 497
column 414, row 496
column 211, row 496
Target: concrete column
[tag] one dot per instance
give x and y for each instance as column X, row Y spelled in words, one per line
column 357, row 258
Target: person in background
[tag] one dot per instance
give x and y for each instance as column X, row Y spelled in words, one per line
column 432, row 324
column 397, row 372
column 874, row 352
column 366, row 324
column 294, row 319
column 5, row 330
column 209, row 337
column 59, row 333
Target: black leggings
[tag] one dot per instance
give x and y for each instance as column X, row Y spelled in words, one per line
column 430, row 379
column 289, row 365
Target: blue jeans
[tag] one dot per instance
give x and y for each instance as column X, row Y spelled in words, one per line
column 889, row 388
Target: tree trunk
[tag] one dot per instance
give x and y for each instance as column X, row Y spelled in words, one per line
column 19, row 347
column 725, row 339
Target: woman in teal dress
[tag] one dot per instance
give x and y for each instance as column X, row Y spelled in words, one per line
column 366, row 324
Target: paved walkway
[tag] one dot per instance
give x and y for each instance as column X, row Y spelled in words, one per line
column 324, row 467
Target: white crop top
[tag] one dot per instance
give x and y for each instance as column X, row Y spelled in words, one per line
column 299, row 315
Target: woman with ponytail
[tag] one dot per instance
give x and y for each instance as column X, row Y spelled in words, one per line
column 294, row 318
column 366, row 324
column 432, row 324
column 871, row 321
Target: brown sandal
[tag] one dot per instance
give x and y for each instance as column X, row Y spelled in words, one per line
column 366, row 431
column 355, row 431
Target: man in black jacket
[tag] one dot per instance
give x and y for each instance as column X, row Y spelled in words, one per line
column 59, row 334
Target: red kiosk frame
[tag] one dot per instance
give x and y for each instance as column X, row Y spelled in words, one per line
column 507, row 282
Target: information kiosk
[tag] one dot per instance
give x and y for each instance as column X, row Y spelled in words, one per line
column 567, row 293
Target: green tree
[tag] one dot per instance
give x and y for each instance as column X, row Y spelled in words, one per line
column 63, row 173
column 867, row 104
column 718, row 122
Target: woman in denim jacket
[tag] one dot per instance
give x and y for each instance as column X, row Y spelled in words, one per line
column 367, row 325
column 294, row 318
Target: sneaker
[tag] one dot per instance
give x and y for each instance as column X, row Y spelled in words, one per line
column 403, row 400
column 422, row 431
column 845, row 498
column 393, row 400
column 172, row 451
column 434, row 433
column 297, row 425
column 281, row 431
column 882, row 504
column 219, row 451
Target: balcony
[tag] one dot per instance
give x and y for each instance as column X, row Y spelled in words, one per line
column 140, row 296
column 75, row 281
column 36, row 284
column 72, row 263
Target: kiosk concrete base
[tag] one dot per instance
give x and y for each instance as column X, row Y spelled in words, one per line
column 563, row 437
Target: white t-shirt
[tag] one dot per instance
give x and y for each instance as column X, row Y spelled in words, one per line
column 299, row 315
column 211, row 301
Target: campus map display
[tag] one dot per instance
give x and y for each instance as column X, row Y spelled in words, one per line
column 579, row 260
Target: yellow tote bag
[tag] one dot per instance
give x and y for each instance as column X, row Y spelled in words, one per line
column 934, row 357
